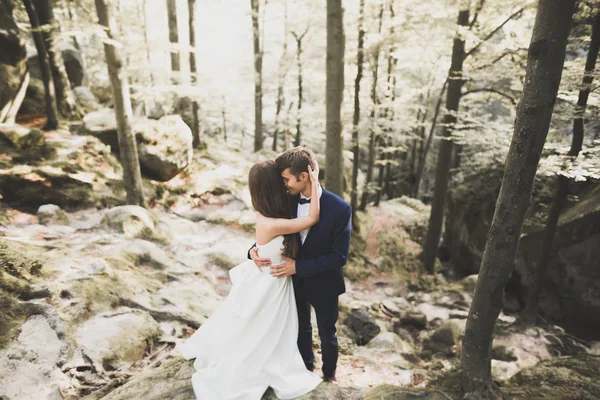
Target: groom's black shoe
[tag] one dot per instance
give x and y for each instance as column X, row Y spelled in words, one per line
column 330, row 379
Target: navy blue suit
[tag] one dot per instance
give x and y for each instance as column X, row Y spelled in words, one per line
column 319, row 278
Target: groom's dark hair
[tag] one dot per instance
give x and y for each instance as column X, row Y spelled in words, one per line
column 297, row 159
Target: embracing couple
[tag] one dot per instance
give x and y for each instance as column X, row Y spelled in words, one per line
column 261, row 334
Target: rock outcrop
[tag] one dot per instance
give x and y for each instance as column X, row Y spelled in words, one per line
column 571, row 288
column 164, row 146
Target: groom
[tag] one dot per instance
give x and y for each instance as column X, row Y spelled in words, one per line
column 317, row 272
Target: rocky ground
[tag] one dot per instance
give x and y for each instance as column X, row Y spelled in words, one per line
column 95, row 300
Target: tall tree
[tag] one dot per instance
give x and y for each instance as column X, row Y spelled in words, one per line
column 143, row 17
column 560, row 197
column 543, row 75
column 453, row 97
column 196, row 129
column 128, row 154
column 299, row 38
column 334, row 92
column 40, row 45
column 372, row 129
column 62, row 87
column 174, row 39
column 442, row 172
column 258, row 134
column 360, row 57
column 281, row 80
column 425, row 150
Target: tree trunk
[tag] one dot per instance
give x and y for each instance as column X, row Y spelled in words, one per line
column 423, row 157
column 385, row 156
column 174, row 40
column 143, row 17
column 62, row 87
column 258, row 134
column 442, row 172
column 197, row 141
column 300, row 86
column 13, row 64
column 383, row 162
column 543, row 74
column 281, row 81
column 560, row 197
column 40, row 45
column 360, row 57
column 334, row 93
column 127, row 146
column 372, row 134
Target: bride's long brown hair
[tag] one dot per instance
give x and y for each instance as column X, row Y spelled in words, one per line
column 271, row 200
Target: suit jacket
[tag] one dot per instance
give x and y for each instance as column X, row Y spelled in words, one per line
column 319, row 264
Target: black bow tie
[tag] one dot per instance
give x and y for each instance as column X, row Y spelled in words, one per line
column 303, row 201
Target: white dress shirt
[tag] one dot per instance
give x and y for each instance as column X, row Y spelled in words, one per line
column 303, row 210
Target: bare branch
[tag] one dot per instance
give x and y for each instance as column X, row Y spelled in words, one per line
column 493, row 32
column 476, row 14
column 492, row 90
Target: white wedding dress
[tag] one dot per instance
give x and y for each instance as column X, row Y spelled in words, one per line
column 250, row 342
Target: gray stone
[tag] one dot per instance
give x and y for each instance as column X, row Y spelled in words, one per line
column 51, row 214
column 72, row 60
column 363, row 325
column 389, row 340
column 133, row 221
column 111, row 340
column 28, row 367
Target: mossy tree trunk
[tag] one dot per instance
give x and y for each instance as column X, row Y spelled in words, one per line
column 299, row 38
column 334, row 93
column 442, row 173
column 258, row 133
column 174, row 52
column 281, row 81
column 531, row 309
column 40, row 45
column 196, row 128
column 545, row 62
column 373, row 129
column 128, row 154
column 62, row 87
column 360, row 57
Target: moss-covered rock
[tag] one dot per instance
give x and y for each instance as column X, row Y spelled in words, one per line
column 134, row 222
column 12, row 315
column 25, row 144
column 114, row 339
column 222, row 260
column 560, row 378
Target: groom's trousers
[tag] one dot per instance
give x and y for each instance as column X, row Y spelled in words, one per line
column 326, row 310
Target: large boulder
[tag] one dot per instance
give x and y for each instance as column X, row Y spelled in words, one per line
column 114, row 339
column 164, row 146
column 29, row 366
column 23, row 143
column 363, row 325
column 13, row 64
column 72, row 59
column 133, row 221
column 570, row 289
column 83, row 173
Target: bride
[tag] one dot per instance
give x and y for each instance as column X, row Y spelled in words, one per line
column 250, row 342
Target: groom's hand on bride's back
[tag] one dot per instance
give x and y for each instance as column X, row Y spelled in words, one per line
column 260, row 262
